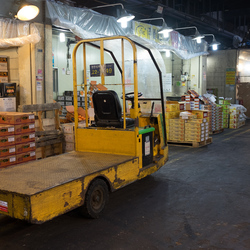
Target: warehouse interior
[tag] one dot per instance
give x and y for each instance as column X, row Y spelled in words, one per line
column 150, row 114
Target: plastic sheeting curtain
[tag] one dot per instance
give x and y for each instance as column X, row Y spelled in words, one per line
column 15, row 33
column 87, row 24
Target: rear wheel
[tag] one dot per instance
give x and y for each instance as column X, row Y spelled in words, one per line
column 96, row 199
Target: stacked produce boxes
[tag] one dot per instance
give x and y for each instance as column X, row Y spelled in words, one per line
column 177, row 129
column 237, row 116
column 225, row 104
column 172, row 111
column 17, row 141
column 196, row 130
column 217, row 117
column 188, row 130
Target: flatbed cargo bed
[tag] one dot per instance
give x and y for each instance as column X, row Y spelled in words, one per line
column 27, row 190
column 37, row 176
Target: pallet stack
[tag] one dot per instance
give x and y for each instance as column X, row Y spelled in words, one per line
column 17, row 138
column 172, row 111
column 225, row 104
column 237, row 116
column 177, row 129
column 217, row 118
column 196, row 130
column 193, row 130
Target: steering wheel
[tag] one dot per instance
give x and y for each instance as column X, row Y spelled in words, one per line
column 131, row 96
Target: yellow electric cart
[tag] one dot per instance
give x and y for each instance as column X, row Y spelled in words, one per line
column 117, row 149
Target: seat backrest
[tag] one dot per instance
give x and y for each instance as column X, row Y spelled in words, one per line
column 107, row 106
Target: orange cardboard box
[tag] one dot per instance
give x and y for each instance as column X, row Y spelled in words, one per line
column 14, row 118
column 8, row 150
column 7, row 161
column 24, row 128
column 25, row 147
column 6, row 130
column 7, row 140
column 70, row 113
column 23, row 138
column 27, row 156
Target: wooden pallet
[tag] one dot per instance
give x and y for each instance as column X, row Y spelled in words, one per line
column 191, row 143
column 47, row 140
column 216, row 131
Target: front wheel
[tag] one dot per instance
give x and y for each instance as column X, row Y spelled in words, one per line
column 96, row 198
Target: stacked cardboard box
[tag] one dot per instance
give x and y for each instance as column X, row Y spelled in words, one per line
column 17, row 138
column 189, row 130
column 217, row 117
column 67, row 99
column 237, row 116
column 225, row 115
column 69, row 135
column 177, row 129
column 172, row 111
column 185, row 106
column 197, row 130
column 7, row 145
column 225, row 103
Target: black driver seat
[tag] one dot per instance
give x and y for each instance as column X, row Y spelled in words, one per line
column 108, row 110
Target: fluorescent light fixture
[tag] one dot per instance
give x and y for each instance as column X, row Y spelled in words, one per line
column 62, row 37
column 214, row 44
column 164, row 30
column 124, row 16
column 197, row 36
column 27, row 12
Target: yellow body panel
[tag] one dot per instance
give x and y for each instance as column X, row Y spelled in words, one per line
column 110, row 141
column 56, row 201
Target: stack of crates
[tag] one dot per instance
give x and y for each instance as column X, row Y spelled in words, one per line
column 225, row 104
column 19, row 130
column 237, row 117
column 67, row 99
column 172, row 112
column 208, row 108
column 7, row 145
column 177, row 130
column 69, row 135
column 196, row 130
column 217, row 117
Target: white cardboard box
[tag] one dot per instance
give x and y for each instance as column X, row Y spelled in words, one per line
column 8, row 104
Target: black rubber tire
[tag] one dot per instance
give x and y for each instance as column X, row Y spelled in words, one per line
column 96, row 199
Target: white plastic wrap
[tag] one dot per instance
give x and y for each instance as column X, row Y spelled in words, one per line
column 87, row 24
column 239, row 107
column 16, row 33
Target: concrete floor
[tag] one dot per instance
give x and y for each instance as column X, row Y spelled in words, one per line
column 199, row 200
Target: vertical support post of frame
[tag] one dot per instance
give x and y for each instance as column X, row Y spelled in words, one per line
column 123, row 84
column 85, row 84
column 75, row 94
column 102, row 68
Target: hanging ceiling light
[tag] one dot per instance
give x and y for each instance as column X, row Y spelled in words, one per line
column 124, row 16
column 167, row 53
column 27, row 11
column 214, row 44
column 165, row 29
column 197, row 36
